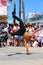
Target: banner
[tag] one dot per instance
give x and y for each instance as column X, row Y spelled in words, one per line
column 3, row 7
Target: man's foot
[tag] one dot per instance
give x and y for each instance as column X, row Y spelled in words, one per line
column 27, row 53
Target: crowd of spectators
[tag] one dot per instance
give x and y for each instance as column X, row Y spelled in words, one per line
column 6, row 39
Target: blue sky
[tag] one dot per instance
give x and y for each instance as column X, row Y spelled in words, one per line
column 30, row 6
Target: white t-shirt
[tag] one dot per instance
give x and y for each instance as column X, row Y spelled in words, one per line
column 30, row 30
column 15, row 28
column 35, row 44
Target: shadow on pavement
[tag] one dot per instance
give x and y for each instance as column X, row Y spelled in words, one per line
column 11, row 54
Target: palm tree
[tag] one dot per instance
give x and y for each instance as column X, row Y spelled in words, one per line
column 10, row 0
column 23, row 11
column 14, row 12
column 14, row 9
column 20, row 8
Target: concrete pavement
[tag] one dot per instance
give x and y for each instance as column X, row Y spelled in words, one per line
column 17, row 56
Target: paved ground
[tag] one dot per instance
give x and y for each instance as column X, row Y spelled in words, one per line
column 17, row 56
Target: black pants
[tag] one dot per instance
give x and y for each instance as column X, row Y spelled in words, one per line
column 22, row 29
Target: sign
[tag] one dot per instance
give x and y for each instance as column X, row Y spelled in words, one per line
column 4, row 2
column 3, row 7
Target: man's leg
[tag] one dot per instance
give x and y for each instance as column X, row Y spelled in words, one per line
column 20, row 21
column 22, row 29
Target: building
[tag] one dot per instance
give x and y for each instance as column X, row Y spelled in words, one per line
column 34, row 18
